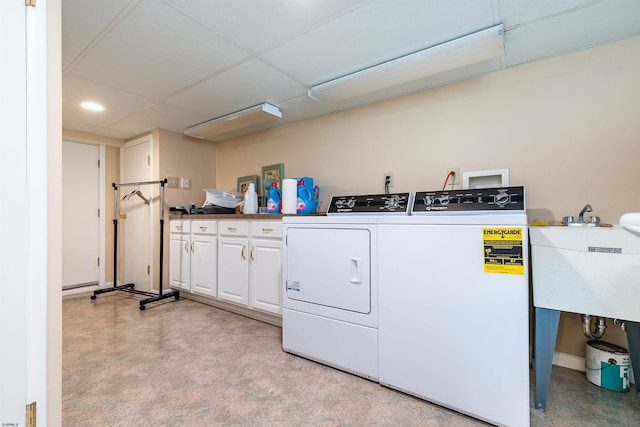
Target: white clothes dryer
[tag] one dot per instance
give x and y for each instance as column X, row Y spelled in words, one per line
column 330, row 295
column 329, row 306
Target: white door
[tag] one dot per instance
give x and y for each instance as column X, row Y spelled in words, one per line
column 204, row 258
column 265, row 275
column 179, row 261
column 233, row 269
column 80, row 214
column 27, row 311
column 330, row 267
column 135, row 215
column 14, row 252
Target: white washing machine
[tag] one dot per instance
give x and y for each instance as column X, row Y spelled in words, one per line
column 454, row 303
column 330, row 298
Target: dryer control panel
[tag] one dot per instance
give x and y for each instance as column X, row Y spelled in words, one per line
column 476, row 200
column 375, row 204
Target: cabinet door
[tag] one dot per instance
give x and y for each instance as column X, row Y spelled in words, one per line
column 233, row 269
column 266, row 275
column 179, row 269
column 204, row 259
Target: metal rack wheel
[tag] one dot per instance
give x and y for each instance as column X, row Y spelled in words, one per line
column 93, row 297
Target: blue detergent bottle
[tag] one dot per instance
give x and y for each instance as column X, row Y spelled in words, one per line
column 306, row 197
column 273, row 199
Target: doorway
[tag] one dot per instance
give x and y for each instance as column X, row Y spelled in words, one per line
column 81, row 216
column 135, row 215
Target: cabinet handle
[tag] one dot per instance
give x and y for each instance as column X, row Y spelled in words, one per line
column 179, row 227
column 252, row 251
column 267, row 230
column 243, row 251
column 203, row 228
column 233, row 229
column 186, row 247
column 192, row 251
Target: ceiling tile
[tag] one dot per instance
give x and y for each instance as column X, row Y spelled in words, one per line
column 82, row 21
column 158, row 117
column 517, row 12
column 118, row 104
column 257, row 25
column 156, row 51
column 569, row 32
column 378, row 32
column 246, row 85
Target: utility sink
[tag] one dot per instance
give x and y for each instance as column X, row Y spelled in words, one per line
column 588, row 270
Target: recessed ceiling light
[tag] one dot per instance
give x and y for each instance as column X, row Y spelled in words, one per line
column 92, row 106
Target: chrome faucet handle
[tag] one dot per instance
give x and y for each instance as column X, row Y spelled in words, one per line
column 587, row 208
column 594, row 220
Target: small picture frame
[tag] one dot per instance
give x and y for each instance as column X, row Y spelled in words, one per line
column 272, row 173
column 244, row 181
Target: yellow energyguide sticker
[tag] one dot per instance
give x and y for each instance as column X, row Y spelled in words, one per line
column 503, row 251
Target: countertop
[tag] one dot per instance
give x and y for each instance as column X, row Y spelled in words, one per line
column 265, row 217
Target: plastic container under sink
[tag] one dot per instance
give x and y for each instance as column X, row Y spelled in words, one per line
column 225, row 199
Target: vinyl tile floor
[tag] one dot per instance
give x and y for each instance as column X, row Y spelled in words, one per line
column 182, row 363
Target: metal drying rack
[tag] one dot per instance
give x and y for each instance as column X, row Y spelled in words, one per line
column 130, row 287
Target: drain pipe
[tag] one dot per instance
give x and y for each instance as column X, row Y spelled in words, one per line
column 600, row 328
column 620, row 324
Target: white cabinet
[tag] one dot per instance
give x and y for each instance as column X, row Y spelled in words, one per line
column 250, row 264
column 233, row 262
column 204, row 257
column 179, row 254
column 230, row 261
column 265, row 266
column 193, row 256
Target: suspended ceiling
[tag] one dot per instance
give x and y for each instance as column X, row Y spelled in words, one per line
column 172, row 64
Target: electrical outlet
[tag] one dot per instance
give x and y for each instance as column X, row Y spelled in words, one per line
column 454, row 180
column 388, row 179
column 172, row 182
column 186, row 183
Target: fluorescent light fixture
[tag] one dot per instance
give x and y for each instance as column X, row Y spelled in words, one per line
column 235, row 121
column 472, row 49
column 92, row 106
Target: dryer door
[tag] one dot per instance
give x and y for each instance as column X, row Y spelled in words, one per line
column 329, row 267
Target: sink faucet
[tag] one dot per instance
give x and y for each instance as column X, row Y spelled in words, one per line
column 587, row 208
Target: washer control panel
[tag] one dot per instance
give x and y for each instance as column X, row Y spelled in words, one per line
column 468, row 201
column 377, row 204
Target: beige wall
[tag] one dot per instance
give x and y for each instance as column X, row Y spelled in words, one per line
column 178, row 155
column 183, row 156
column 567, row 128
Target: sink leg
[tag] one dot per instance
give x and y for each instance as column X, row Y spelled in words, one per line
column 546, row 331
column 633, row 337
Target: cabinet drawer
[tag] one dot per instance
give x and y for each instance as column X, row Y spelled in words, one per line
column 180, row 226
column 204, row 227
column 233, row 228
column 271, row 229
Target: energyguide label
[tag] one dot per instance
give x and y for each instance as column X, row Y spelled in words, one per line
column 503, row 250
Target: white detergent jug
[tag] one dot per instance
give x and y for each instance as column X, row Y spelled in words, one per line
column 250, row 200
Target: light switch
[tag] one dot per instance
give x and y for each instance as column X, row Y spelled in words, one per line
column 186, row 183
column 172, row 182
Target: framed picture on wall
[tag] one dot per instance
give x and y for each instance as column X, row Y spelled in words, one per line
column 244, row 181
column 272, row 173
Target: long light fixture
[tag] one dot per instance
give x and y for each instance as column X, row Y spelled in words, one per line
column 235, row 121
column 472, row 49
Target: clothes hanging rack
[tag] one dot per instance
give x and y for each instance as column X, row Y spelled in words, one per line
column 130, row 287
